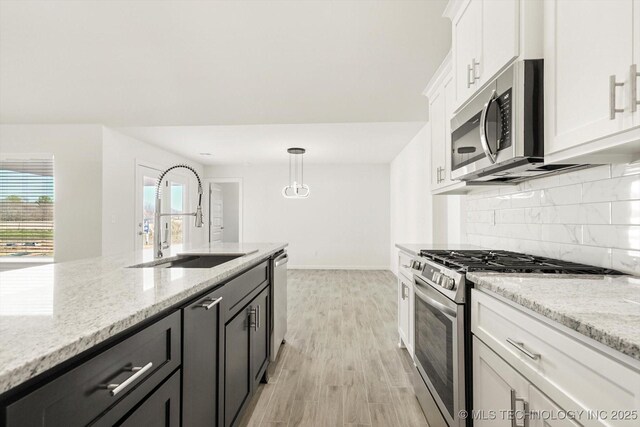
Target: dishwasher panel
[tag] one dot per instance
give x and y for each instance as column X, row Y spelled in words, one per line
column 279, row 309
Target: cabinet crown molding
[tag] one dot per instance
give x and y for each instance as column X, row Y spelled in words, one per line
column 439, row 76
column 453, row 7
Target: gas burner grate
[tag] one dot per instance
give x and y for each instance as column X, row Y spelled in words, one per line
column 509, row 262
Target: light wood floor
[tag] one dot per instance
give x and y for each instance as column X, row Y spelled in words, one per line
column 341, row 365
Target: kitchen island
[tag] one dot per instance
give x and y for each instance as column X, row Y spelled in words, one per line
column 55, row 318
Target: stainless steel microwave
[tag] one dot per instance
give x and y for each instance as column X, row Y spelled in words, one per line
column 498, row 137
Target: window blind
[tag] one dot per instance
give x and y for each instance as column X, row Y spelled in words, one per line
column 26, row 207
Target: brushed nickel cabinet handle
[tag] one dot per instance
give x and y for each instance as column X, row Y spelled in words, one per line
column 612, row 97
column 138, row 372
column 252, row 318
column 209, row 304
column 633, row 82
column 520, row 346
column 474, row 76
column 525, row 410
column 258, row 322
column 469, row 81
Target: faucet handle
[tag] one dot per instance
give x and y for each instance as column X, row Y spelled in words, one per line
column 165, row 244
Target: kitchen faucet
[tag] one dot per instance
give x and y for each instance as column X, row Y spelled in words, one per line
column 158, row 245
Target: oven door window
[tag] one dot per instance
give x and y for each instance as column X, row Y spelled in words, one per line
column 434, row 349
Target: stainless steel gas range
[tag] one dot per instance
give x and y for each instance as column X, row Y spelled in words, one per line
column 442, row 329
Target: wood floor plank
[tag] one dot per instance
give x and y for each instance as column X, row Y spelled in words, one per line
column 281, row 403
column 340, row 365
column 330, row 407
column 383, row 415
column 407, row 408
column 258, row 406
column 303, row 414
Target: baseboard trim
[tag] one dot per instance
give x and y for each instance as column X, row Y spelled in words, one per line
column 338, row 267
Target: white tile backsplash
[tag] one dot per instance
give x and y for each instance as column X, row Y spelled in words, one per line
column 590, row 216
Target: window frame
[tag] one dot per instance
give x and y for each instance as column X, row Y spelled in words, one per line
column 15, row 262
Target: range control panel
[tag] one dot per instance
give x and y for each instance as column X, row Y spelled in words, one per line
column 437, row 277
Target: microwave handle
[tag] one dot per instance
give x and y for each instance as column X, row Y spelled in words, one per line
column 483, row 128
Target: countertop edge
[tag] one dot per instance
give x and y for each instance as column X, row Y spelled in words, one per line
column 27, row 370
column 586, row 330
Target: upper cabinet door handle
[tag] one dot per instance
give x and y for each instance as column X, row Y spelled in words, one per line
column 469, row 81
column 474, row 76
column 633, row 82
column 612, row 97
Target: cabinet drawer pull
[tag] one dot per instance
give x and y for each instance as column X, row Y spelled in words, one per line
column 612, row 98
column 525, row 410
column 209, row 304
column 138, row 372
column 633, row 82
column 520, row 346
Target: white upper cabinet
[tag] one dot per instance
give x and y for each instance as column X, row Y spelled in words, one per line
column 466, row 50
column 589, row 53
column 440, row 92
column 437, row 121
column 487, row 36
column 500, row 36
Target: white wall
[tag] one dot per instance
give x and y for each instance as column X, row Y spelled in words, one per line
column 120, row 155
column 78, row 181
column 230, row 211
column 410, row 198
column 590, row 216
column 343, row 224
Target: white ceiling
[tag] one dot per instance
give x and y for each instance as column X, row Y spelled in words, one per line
column 325, row 143
column 169, row 63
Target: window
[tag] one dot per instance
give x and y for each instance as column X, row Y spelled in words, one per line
column 26, row 207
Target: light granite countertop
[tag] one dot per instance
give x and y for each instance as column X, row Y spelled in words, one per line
column 49, row 314
column 415, row 248
column 603, row 308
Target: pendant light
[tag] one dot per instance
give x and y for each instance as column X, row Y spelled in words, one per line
column 296, row 188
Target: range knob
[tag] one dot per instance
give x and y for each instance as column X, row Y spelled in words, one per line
column 447, row 282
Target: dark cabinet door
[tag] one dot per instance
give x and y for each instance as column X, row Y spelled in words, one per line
column 260, row 336
column 161, row 408
column 201, row 361
column 237, row 380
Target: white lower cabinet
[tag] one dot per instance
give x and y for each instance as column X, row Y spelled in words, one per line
column 405, row 303
column 504, row 398
column 554, row 373
column 495, row 384
column 546, row 413
column 404, row 311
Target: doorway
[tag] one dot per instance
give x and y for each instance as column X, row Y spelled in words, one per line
column 225, row 210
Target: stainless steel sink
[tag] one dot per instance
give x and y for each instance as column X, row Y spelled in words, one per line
column 189, row 261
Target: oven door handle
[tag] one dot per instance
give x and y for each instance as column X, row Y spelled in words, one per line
column 483, row 128
column 434, row 303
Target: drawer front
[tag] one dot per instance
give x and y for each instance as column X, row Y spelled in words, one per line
column 236, row 292
column 160, row 409
column 404, row 265
column 571, row 373
column 80, row 395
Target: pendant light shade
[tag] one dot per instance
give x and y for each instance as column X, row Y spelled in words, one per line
column 296, row 188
